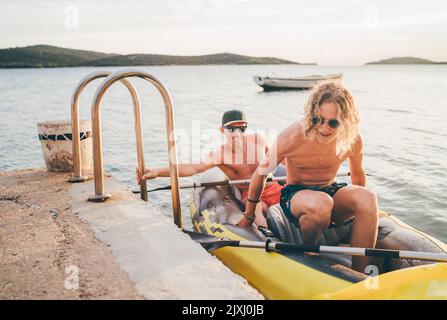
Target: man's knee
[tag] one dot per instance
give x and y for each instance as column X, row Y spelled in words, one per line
column 316, row 223
column 322, row 206
column 319, row 212
column 366, row 203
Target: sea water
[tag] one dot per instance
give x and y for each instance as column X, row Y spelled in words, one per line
column 403, row 112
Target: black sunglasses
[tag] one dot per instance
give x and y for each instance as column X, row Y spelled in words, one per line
column 234, row 128
column 333, row 123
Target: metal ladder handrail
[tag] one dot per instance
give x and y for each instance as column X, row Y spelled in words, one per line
column 76, row 139
column 170, row 132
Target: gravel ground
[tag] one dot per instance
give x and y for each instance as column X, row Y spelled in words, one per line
column 46, row 251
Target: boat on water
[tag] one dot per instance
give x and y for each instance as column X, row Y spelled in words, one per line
column 295, row 275
column 302, row 83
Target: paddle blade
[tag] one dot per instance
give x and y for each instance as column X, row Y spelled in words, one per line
column 210, row 243
column 152, row 190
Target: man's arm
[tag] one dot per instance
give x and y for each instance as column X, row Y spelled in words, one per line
column 358, row 175
column 184, row 169
column 275, row 154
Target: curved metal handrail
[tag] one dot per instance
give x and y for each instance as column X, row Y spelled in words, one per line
column 76, row 143
column 170, row 131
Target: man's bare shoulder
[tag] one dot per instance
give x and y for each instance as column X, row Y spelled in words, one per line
column 291, row 137
column 357, row 148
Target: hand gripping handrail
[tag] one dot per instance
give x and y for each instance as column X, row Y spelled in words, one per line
column 76, row 143
column 170, row 131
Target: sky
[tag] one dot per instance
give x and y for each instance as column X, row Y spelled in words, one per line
column 328, row 32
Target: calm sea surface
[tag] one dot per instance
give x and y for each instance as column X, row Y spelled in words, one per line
column 403, row 113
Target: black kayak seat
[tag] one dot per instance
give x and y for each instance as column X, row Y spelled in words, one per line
column 289, row 232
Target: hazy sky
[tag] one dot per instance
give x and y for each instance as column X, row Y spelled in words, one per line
column 322, row 31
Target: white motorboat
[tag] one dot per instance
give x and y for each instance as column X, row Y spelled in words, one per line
column 302, row 83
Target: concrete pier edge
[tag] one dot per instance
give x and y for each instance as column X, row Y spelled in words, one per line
column 160, row 260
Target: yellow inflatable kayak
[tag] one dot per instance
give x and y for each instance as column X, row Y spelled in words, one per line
column 279, row 275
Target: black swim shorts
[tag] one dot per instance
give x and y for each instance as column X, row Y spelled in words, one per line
column 289, row 191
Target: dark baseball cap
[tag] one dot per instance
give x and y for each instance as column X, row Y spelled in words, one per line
column 233, row 116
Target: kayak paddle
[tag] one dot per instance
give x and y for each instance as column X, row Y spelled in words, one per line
column 212, row 243
column 227, row 182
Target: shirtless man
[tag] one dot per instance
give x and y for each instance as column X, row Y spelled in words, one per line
column 313, row 150
column 238, row 158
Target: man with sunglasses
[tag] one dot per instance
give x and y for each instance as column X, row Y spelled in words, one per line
column 313, row 150
column 238, row 158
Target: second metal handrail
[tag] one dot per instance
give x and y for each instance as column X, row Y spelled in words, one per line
column 76, row 143
column 170, row 128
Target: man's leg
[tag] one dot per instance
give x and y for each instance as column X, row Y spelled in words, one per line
column 358, row 201
column 313, row 211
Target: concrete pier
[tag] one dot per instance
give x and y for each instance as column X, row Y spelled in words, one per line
column 128, row 248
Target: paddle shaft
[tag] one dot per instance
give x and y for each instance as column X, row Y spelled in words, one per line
column 211, row 243
column 352, row 251
column 226, row 183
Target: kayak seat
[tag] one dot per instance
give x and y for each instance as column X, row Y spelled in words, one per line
column 288, row 232
column 332, row 236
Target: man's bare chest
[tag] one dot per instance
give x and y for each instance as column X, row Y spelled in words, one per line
column 314, row 157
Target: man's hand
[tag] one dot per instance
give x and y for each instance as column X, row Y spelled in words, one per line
column 149, row 173
column 244, row 222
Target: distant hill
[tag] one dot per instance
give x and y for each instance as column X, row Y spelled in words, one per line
column 155, row 59
column 405, row 60
column 43, row 56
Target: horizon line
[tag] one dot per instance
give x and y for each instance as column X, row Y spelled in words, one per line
column 227, row 52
